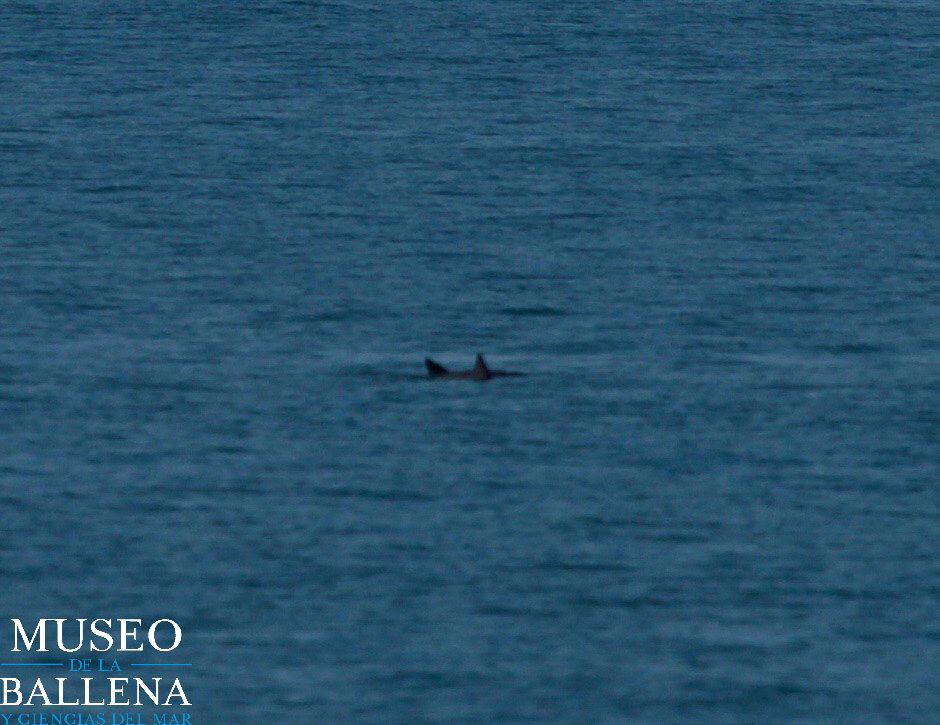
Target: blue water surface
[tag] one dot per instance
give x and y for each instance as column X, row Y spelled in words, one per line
column 230, row 231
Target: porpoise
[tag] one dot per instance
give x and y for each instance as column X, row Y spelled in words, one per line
column 480, row 371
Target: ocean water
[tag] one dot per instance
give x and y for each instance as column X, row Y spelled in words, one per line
column 706, row 231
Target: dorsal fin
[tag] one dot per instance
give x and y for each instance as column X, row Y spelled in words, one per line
column 434, row 369
column 481, row 368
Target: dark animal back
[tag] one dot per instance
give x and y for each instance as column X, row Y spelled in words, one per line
column 434, row 369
